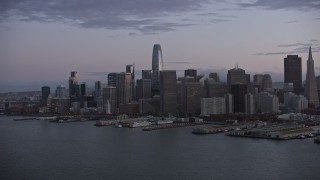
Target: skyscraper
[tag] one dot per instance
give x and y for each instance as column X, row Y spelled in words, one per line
column 191, row 73
column 311, row 84
column 143, row 89
column 146, row 74
column 112, row 79
column 293, row 72
column 109, row 99
column 45, row 92
column 168, row 92
column 130, row 69
column 61, row 91
column 83, row 89
column 124, row 88
column 74, row 89
column 214, row 76
column 235, row 76
column 157, row 66
column 239, row 91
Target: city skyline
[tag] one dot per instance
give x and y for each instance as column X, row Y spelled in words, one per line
column 210, row 36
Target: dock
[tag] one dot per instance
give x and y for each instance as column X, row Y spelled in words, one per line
column 169, row 126
column 219, row 129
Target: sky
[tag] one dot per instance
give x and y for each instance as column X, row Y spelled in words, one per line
column 43, row 41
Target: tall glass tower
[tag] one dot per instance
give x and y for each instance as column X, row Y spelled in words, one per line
column 157, row 66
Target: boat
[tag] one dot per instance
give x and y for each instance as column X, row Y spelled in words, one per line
column 102, row 123
column 164, row 122
column 118, row 126
column 301, row 136
column 139, row 124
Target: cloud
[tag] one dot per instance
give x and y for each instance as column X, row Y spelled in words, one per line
column 283, row 4
column 293, row 21
column 178, row 62
column 295, row 44
column 215, row 21
column 140, row 15
column 296, row 48
column 294, row 51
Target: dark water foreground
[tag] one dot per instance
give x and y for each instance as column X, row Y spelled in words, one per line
column 41, row 150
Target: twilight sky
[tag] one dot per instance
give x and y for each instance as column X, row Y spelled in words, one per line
column 45, row 40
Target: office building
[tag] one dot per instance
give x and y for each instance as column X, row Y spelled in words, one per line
column 214, row 105
column 168, row 92
column 109, row 99
column 83, row 89
column 74, row 88
column 236, row 76
column 146, row 74
column 249, row 103
column 239, row 91
column 268, row 103
column 45, row 92
column 124, row 88
column 112, row 79
column 130, row 69
column 229, row 103
column 61, row 91
column 293, row 72
column 157, row 66
column 191, row 73
column 295, row 102
column 311, row 91
column 214, row 76
column 192, row 92
column 215, row 89
column 143, row 89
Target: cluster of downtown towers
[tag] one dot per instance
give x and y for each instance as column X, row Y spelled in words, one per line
column 159, row 91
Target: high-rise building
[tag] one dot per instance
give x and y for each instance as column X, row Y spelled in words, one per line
column 215, row 89
column 98, row 89
column 45, row 92
column 74, row 89
column 295, row 102
column 83, row 89
column 214, row 76
column 143, row 89
column 268, row 103
column 214, row 105
column 98, row 93
column 191, row 73
column 236, row 76
column 263, row 82
column 130, row 69
column 250, row 103
column 157, row 66
column 192, row 93
column 168, row 92
column 112, row 79
column 293, row 72
column 124, row 88
column 311, row 91
column 267, row 83
column 239, row 91
column 61, row 92
column 146, row 74
column 110, row 99
column 229, row 103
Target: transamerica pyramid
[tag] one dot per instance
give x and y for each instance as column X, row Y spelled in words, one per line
column 311, row 91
